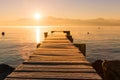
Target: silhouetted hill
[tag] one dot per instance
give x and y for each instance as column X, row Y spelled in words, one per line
column 53, row 21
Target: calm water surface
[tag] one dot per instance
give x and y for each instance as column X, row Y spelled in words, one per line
column 103, row 42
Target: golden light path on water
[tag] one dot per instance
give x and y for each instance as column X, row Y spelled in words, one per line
column 38, row 40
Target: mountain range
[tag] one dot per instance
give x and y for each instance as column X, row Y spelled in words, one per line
column 53, row 21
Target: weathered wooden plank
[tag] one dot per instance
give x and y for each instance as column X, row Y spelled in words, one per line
column 57, row 49
column 56, row 38
column 34, row 69
column 60, row 46
column 56, row 41
column 47, row 79
column 41, row 68
column 55, row 62
column 69, row 44
column 25, row 79
column 54, row 75
column 55, row 68
column 50, row 55
column 61, row 66
column 58, row 54
column 57, row 35
column 50, row 59
column 57, row 58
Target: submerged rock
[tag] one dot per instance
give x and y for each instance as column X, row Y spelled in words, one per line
column 5, row 70
column 3, row 33
column 108, row 70
column 97, row 65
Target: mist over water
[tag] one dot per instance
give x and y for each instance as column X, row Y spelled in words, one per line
column 103, row 42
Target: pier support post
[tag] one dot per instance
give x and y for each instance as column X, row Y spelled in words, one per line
column 68, row 35
column 45, row 34
column 70, row 38
column 67, row 32
column 38, row 45
column 82, row 48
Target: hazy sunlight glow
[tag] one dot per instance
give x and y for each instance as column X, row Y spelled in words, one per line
column 37, row 16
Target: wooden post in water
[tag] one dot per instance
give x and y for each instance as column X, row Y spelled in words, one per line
column 45, row 34
column 82, row 48
column 38, row 45
column 68, row 35
column 70, row 38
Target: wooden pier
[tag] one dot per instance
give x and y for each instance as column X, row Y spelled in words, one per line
column 55, row 59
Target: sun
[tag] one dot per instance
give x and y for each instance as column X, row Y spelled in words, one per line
column 37, row 16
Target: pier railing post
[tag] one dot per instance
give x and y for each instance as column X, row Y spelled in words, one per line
column 70, row 38
column 45, row 34
column 82, row 48
column 67, row 32
column 68, row 35
column 38, row 45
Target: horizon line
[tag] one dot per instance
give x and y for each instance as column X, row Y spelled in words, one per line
column 62, row 18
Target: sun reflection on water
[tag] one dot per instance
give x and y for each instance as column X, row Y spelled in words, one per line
column 38, row 40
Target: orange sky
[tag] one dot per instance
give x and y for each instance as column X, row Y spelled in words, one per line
column 77, row 9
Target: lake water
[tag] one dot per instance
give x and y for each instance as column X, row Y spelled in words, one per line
column 103, row 42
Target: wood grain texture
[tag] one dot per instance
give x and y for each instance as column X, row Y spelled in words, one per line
column 56, row 59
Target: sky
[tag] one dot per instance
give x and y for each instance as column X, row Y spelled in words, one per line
column 75, row 9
